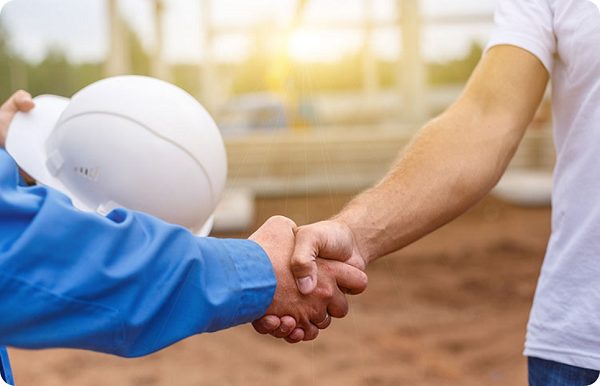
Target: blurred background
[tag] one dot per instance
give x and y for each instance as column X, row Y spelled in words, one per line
column 315, row 99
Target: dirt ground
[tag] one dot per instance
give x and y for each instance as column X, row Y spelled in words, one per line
column 449, row 310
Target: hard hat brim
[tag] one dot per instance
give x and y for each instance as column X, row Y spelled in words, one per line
column 28, row 133
column 207, row 227
column 26, row 143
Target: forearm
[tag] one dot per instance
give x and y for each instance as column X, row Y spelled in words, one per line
column 455, row 160
column 448, row 168
column 127, row 284
column 130, row 302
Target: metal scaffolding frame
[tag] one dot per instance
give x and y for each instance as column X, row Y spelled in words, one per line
column 412, row 82
column 412, row 74
column 117, row 62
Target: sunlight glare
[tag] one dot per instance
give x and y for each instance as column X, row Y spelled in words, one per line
column 310, row 46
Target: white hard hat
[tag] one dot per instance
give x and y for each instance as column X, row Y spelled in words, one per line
column 127, row 141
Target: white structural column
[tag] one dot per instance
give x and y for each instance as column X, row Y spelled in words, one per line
column 159, row 68
column 413, row 76
column 208, row 77
column 370, row 79
column 117, row 58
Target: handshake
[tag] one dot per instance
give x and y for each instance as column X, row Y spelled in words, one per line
column 316, row 266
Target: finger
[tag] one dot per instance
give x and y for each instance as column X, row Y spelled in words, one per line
column 324, row 322
column 285, row 328
column 275, row 223
column 310, row 332
column 296, row 336
column 24, row 102
column 266, row 324
column 325, row 239
column 19, row 101
column 338, row 306
column 351, row 279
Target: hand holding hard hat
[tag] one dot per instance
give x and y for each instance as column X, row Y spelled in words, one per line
column 128, row 141
column 19, row 101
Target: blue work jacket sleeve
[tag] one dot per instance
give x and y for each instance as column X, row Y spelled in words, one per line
column 126, row 284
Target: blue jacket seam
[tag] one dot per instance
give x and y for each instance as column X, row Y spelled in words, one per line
column 120, row 336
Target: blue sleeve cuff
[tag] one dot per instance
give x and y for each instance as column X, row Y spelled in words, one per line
column 256, row 279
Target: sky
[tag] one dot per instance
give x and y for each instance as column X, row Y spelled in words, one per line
column 80, row 28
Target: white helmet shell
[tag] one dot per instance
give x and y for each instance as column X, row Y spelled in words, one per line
column 128, row 141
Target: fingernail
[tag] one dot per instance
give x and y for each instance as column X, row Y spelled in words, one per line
column 269, row 324
column 295, row 335
column 304, row 284
column 285, row 328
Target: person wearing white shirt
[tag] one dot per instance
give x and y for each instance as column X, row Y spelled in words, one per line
column 459, row 157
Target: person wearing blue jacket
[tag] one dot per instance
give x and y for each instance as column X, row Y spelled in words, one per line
column 130, row 284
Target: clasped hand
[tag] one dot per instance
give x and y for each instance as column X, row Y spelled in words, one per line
column 315, row 266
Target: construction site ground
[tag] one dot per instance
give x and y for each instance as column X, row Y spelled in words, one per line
column 450, row 309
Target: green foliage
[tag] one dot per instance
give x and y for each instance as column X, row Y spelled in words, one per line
column 455, row 71
column 5, row 65
column 346, row 74
column 56, row 75
column 187, row 77
column 139, row 59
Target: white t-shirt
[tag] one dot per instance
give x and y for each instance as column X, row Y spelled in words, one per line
column 564, row 324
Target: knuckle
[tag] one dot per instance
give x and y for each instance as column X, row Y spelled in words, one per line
column 273, row 220
column 21, row 94
column 301, row 268
column 307, row 232
column 301, row 260
column 282, row 220
column 318, row 312
column 328, row 292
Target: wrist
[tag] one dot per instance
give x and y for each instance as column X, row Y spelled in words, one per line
column 359, row 243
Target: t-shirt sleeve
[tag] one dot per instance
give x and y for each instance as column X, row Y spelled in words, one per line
column 528, row 24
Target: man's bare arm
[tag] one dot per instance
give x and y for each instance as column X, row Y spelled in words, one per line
column 451, row 164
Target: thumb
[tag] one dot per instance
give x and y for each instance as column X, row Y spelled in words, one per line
column 303, row 264
column 322, row 239
column 19, row 101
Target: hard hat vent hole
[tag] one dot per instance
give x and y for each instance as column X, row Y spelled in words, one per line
column 90, row 173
